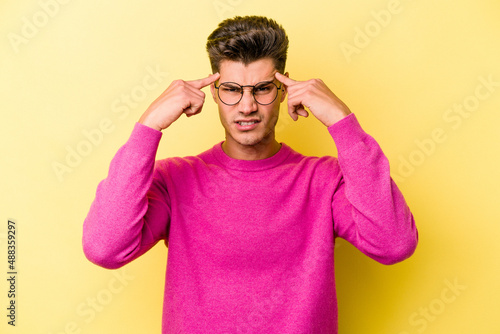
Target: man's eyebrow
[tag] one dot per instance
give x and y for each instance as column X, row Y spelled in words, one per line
column 265, row 81
column 258, row 83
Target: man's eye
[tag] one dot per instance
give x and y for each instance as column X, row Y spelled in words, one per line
column 263, row 89
column 231, row 89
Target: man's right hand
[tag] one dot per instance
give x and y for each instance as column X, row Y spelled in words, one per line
column 180, row 97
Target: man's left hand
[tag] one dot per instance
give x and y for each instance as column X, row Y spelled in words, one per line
column 317, row 97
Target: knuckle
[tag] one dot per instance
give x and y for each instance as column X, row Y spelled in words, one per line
column 316, row 81
column 179, row 83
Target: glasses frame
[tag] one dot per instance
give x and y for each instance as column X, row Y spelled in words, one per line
column 253, row 91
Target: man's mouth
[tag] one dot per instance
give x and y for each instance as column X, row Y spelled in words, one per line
column 247, row 124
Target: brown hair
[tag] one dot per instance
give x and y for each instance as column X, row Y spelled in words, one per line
column 247, row 39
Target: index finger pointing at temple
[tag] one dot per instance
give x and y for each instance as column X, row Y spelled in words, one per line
column 284, row 79
column 200, row 83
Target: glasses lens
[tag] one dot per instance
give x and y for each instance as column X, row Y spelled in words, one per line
column 265, row 93
column 230, row 93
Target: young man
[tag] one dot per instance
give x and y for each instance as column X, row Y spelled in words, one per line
column 250, row 224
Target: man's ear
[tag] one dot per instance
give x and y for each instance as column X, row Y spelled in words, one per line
column 283, row 89
column 212, row 90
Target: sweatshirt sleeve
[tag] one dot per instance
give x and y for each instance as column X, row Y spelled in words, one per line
column 131, row 209
column 368, row 209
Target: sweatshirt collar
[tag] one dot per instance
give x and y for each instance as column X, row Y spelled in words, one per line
column 251, row 165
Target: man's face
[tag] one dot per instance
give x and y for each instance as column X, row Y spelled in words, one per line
column 266, row 116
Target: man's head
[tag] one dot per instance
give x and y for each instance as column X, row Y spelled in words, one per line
column 248, row 51
column 247, row 39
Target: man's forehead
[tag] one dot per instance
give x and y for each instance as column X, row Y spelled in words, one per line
column 252, row 73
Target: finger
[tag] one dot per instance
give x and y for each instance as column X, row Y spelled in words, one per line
column 193, row 92
column 292, row 111
column 295, row 102
column 200, row 83
column 302, row 111
column 189, row 114
column 296, row 106
column 296, row 111
column 194, row 108
column 191, row 111
column 292, row 114
column 284, row 79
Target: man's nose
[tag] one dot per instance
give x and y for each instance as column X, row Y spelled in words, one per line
column 247, row 103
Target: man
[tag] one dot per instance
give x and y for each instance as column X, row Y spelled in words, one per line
column 250, row 224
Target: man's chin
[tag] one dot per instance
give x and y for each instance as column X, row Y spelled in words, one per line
column 248, row 139
column 253, row 141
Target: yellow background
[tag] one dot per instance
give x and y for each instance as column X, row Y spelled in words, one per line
column 70, row 72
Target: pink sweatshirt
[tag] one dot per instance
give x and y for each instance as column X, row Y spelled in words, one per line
column 250, row 243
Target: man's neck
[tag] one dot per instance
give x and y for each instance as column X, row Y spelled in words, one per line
column 251, row 152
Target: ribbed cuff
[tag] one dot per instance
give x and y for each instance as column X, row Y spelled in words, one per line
column 144, row 138
column 347, row 131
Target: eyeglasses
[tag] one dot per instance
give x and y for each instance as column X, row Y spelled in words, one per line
column 231, row 93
